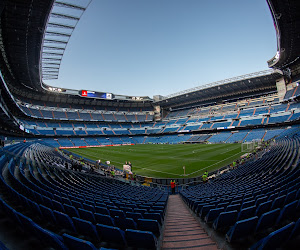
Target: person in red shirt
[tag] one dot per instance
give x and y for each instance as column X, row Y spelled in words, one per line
column 173, row 185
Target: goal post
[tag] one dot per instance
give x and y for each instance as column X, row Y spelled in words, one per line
column 250, row 146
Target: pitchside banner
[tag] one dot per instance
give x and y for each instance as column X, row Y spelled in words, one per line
column 97, row 146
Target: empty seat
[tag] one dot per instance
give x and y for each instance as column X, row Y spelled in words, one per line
column 225, row 220
column 104, row 219
column 296, row 230
column 117, row 212
column 213, row 214
column 77, row 204
column 291, row 196
column 287, row 212
column 247, row 213
column 241, row 229
column 140, row 239
column 102, row 210
column 48, row 214
column 125, row 223
column 87, row 215
column 111, row 234
column 48, row 238
column 278, row 202
column 267, row 220
column 205, row 209
column 58, row 206
column 134, row 216
column 153, row 216
column 77, row 244
column 86, row 228
column 263, row 208
column 149, row 225
column 64, row 221
column 89, row 207
column 261, row 200
column 275, row 239
column 139, row 210
column 71, row 210
column 65, row 200
column 48, row 202
column 248, row 204
column 233, row 207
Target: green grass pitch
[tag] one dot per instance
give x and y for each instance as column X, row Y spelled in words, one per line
column 166, row 161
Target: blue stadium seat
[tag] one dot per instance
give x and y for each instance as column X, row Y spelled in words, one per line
column 125, row 223
column 2, row 246
column 48, row 214
column 149, row 225
column 71, row 210
column 205, row 209
column 47, row 202
column 86, row 228
column 291, row 196
column 111, row 234
column 247, row 204
column 261, row 200
column 102, row 210
column 213, row 214
column 275, row 239
column 25, row 222
column 89, row 207
column 233, row 207
column 278, row 202
column 287, row 212
column 87, row 215
column 58, row 206
column 267, row 220
column 263, row 208
column 64, row 221
column 246, row 213
column 48, row 238
column 77, row 244
column 65, row 200
column 77, row 204
column 140, row 239
column 296, row 230
column 117, row 212
column 225, row 220
column 35, row 208
column 134, row 216
column 140, row 210
column 153, row 216
column 241, row 229
column 104, row 219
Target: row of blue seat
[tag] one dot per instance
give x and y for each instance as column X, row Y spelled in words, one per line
column 258, row 196
column 47, row 203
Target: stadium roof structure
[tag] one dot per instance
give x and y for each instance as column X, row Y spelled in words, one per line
column 26, row 59
column 61, row 23
column 22, row 28
column 233, row 88
column 286, row 17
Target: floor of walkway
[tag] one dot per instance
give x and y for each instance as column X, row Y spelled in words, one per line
column 182, row 230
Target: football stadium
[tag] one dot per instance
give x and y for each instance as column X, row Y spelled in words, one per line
column 211, row 167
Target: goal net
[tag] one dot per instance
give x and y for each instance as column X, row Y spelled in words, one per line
column 250, row 146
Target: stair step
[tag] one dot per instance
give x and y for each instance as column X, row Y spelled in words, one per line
column 182, row 230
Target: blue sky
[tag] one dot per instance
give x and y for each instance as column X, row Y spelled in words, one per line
column 150, row 47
